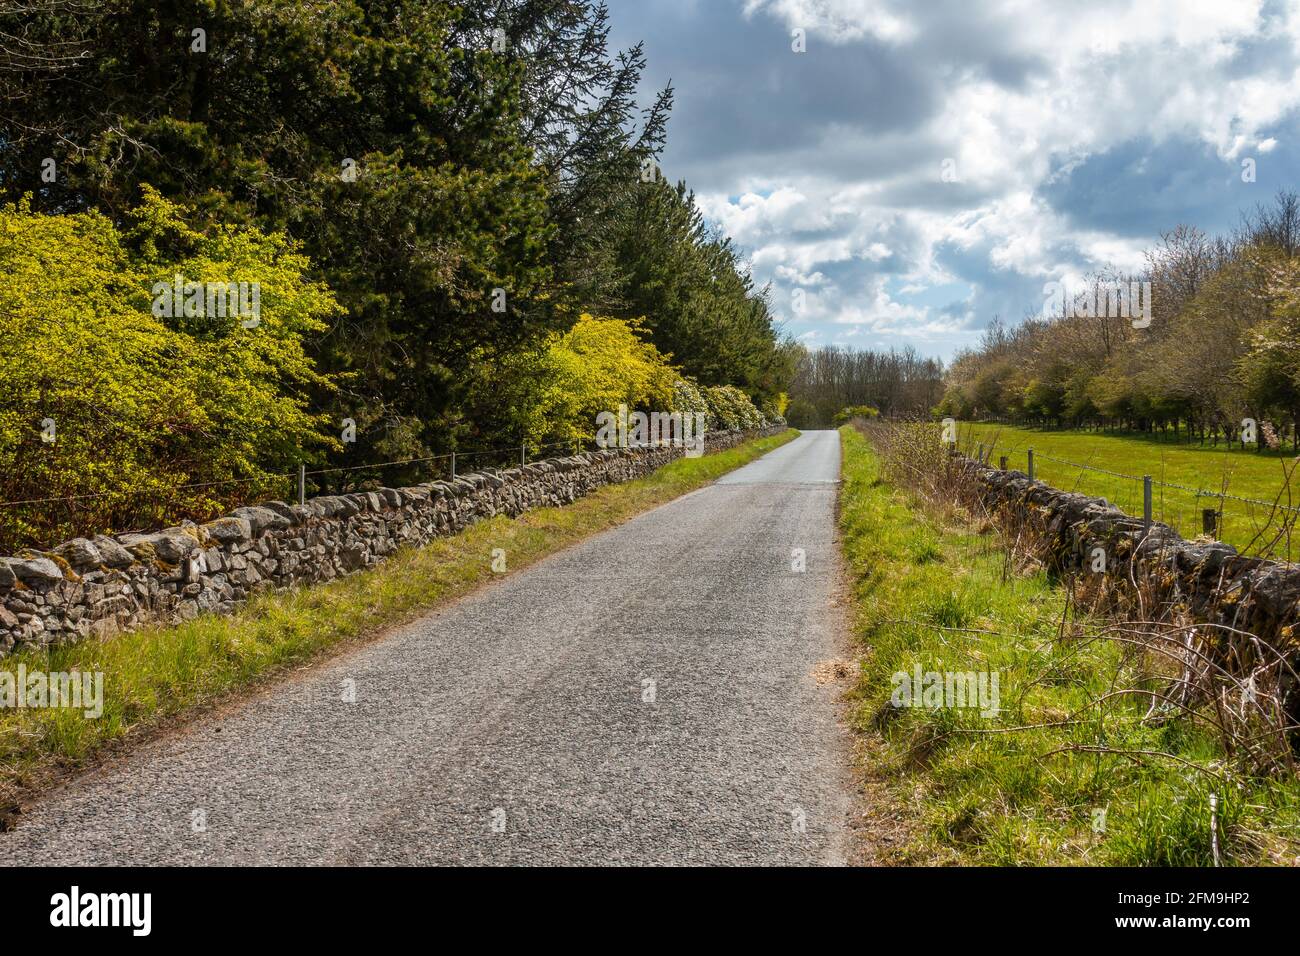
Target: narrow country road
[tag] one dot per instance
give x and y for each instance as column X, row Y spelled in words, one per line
column 643, row 697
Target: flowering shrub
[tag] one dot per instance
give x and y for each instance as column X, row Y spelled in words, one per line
column 729, row 407
column 119, row 403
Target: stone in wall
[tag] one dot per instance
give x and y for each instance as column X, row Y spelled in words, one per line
column 103, row 585
column 1207, row 580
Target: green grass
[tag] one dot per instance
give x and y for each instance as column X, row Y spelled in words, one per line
column 1244, row 473
column 938, row 595
column 157, row 674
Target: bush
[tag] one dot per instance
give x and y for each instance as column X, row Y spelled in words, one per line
column 846, row 415
column 729, row 407
column 688, row 399
column 555, row 393
column 773, row 410
column 108, row 403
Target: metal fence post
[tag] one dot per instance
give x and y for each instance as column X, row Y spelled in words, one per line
column 1146, row 498
column 453, row 464
column 523, row 454
column 1031, row 464
column 302, row 484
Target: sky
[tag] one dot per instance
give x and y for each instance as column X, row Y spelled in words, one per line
column 924, row 166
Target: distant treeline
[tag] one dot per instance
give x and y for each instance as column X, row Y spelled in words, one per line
column 1222, row 343
column 897, row 383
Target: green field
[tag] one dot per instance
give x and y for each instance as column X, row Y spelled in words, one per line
column 1054, row 777
column 1242, row 473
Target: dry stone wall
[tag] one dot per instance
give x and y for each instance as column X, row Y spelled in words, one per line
column 103, row 585
column 1209, row 581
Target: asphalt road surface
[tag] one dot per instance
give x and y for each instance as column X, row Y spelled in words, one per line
column 645, row 697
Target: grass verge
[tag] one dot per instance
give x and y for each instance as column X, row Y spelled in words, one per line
column 1016, row 788
column 1264, row 476
column 159, row 674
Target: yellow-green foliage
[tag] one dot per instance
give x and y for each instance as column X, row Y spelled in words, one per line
column 600, row 363
column 775, row 408
column 142, row 404
column 850, row 412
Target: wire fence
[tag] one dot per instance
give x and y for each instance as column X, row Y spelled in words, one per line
column 38, row 521
column 1255, row 525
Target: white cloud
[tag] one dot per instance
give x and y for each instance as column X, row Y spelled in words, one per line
column 839, row 21
column 1031, row 92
